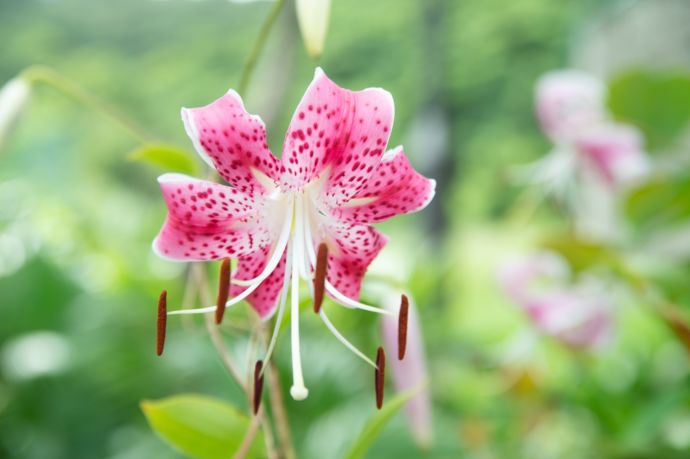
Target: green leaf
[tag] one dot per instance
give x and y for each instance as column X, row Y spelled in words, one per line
column 167, row 158
column 378, row 420
column 581, row 255
column 660, row 202
column 656, row 102
column 201, row 427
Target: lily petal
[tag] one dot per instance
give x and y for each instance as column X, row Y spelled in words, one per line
column 234, row 143
column 394, row 188
column 265, row 298
column 579, row 315
column 351, row 249
column 206, row 221
column 573, row 316
column 616, row 150
column 338, row 132
column 568, row 100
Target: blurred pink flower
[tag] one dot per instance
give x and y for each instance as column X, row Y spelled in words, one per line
column 567, row 101
column 411, row 371
column 571, row 109
column 332, row 182
column 578, row 315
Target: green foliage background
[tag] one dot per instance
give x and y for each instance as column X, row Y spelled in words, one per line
column 81, row 214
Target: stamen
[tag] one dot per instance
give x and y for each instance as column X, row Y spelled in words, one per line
column 258, row 384
column 223, row 290
column 161, row 322
column 402, row 326
column 379, row 376
column 320, row 276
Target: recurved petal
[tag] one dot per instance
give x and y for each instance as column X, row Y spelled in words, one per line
column 394, row 188
column 206, row 221
column 337, row 132
column 265, row 298
column 234, row 143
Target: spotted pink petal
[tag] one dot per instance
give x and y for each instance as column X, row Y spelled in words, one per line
column 352, row 248
column 337, row 131
column 234, row 143
column 206, row 221
column 394, row 188
column 265, row 298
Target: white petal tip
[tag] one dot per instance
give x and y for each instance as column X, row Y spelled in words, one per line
column 299, row 392
column 171, row 177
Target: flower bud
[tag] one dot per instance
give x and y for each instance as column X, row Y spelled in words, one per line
column 13, row 98
column 313, row 17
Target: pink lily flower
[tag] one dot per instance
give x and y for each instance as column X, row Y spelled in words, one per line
column 334, row 179
column 571, row 110
column 579, row 316
column 410, row 372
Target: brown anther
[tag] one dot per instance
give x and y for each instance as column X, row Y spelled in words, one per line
column 258, row 384
column 402, row 326
column 379, row 376
column 223, row 289
column 162, row 321
column 320, row 276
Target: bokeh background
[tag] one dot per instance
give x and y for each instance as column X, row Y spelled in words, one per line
column 78, row 280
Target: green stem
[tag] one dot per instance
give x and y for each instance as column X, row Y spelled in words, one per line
column 259, row 44
column 46, row 75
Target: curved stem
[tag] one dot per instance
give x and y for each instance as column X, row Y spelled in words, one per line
column 259, row 44
column 199, row 277
column 216, row 338
column 46, row 75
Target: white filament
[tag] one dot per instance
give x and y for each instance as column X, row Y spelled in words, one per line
column 281, row 308
column 343, row 340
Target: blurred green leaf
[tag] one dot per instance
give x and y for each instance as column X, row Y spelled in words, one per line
column 656, row 102
column 199, row 426
column 167, row 158
column 378, row 420
column 581, row 255
column 661, row 201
